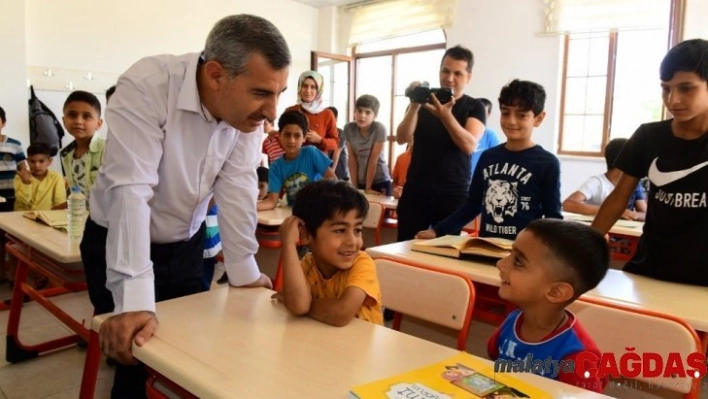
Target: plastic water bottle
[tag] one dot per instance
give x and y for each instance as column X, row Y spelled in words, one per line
column 77, row 212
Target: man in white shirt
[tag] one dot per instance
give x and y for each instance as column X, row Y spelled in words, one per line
column 181, row 128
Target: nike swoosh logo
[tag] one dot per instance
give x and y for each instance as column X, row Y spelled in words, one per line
column 659, row 178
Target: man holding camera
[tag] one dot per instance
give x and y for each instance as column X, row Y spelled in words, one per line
column 446, row 130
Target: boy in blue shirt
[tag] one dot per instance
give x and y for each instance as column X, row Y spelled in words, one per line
column 516, row 182
column 489, row 137
column 552, row 263
column 298, row 166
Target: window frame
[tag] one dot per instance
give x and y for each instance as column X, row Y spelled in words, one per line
column 676, row 19
column 394, row 53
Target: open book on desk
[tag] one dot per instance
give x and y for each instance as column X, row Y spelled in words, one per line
column 456, row 246
column 56, row 218
column 460, row 376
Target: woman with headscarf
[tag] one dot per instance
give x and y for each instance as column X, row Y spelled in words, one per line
column 323, row 125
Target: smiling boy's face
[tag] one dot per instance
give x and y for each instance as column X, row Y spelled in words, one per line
column 528, row 275
column 518, row 124
column 81, row 120
column 337, row 243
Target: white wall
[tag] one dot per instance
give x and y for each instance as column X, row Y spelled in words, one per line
column 696, row 15
column 109, row 36
column 13, row 81
column 502, row 34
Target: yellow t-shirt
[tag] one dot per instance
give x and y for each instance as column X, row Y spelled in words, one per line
column 362, row 275
column 40, row 195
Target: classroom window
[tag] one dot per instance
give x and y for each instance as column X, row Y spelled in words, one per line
column 385, row 68
column 611, row 85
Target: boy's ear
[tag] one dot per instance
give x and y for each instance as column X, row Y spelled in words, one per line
column 560, row 292
column 99, row 124
column 539, row 118
column 305, row 236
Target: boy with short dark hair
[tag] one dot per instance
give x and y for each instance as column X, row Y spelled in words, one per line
column 37, row 188
column 552, row 263
column 12, row 156
column 81, row 159
column 262, row 182
column 365, row 140
column 298, row 166
column 516, row 182
column 673, row 154
column 336, row 281
column 588, row 198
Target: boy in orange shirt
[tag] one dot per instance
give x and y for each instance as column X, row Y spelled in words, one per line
column 336, row 281
column 400, row 170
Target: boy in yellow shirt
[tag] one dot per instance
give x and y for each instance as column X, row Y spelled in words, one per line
column 38, row 188
column 336, row 281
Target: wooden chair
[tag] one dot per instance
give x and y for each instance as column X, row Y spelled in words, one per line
column 615, row 328
column 436, row 296
column 374, row 220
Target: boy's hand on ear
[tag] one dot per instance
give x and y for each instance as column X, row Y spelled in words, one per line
column 290, row 230
column 24, row 174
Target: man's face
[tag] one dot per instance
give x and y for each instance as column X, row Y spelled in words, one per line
column 246, row 100
column 454, row 75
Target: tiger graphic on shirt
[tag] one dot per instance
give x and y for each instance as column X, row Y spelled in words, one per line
column 501, row 199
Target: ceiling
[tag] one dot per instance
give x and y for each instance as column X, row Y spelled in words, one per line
column 324, row 3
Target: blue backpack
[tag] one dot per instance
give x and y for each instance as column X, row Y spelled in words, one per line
column 44, row 125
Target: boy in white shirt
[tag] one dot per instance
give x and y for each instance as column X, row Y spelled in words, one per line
column 588, row 198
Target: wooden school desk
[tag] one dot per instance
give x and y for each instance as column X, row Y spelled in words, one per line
column 387, row 202
column 51, row 253
column 683, row 301
column 630, row 228
column 275, row 217
column 238, row 342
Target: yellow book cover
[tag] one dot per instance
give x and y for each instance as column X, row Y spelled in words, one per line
column 55, row 218
column 455, row 246
column 461, row 376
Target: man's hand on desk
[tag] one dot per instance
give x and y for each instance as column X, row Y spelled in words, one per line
column 263, row 281
column 116, row 335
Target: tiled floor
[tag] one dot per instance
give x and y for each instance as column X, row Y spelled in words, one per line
column 58, row 375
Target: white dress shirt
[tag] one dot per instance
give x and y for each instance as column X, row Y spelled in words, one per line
column 165, row 156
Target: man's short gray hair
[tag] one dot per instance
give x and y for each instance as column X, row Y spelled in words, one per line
column 235, row 38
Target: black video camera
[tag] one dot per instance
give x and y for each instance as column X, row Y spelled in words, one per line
column 421, row 94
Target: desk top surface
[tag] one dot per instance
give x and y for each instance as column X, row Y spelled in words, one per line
column 275, row 217
column 231, row 340
column 50, row 241
column 681, row 300
column 387, row 202
column 624, row 227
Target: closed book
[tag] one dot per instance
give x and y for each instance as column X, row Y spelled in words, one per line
column 456, row 246
column 460, row 376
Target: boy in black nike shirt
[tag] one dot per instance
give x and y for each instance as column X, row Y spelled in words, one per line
column 516, row 182
column 673, row 154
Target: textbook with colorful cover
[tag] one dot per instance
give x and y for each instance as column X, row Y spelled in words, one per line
column 55, row 218
column 455, row 246
column 461, row 376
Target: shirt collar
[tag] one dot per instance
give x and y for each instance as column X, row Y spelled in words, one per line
column 93, row 145
column 188, row 99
